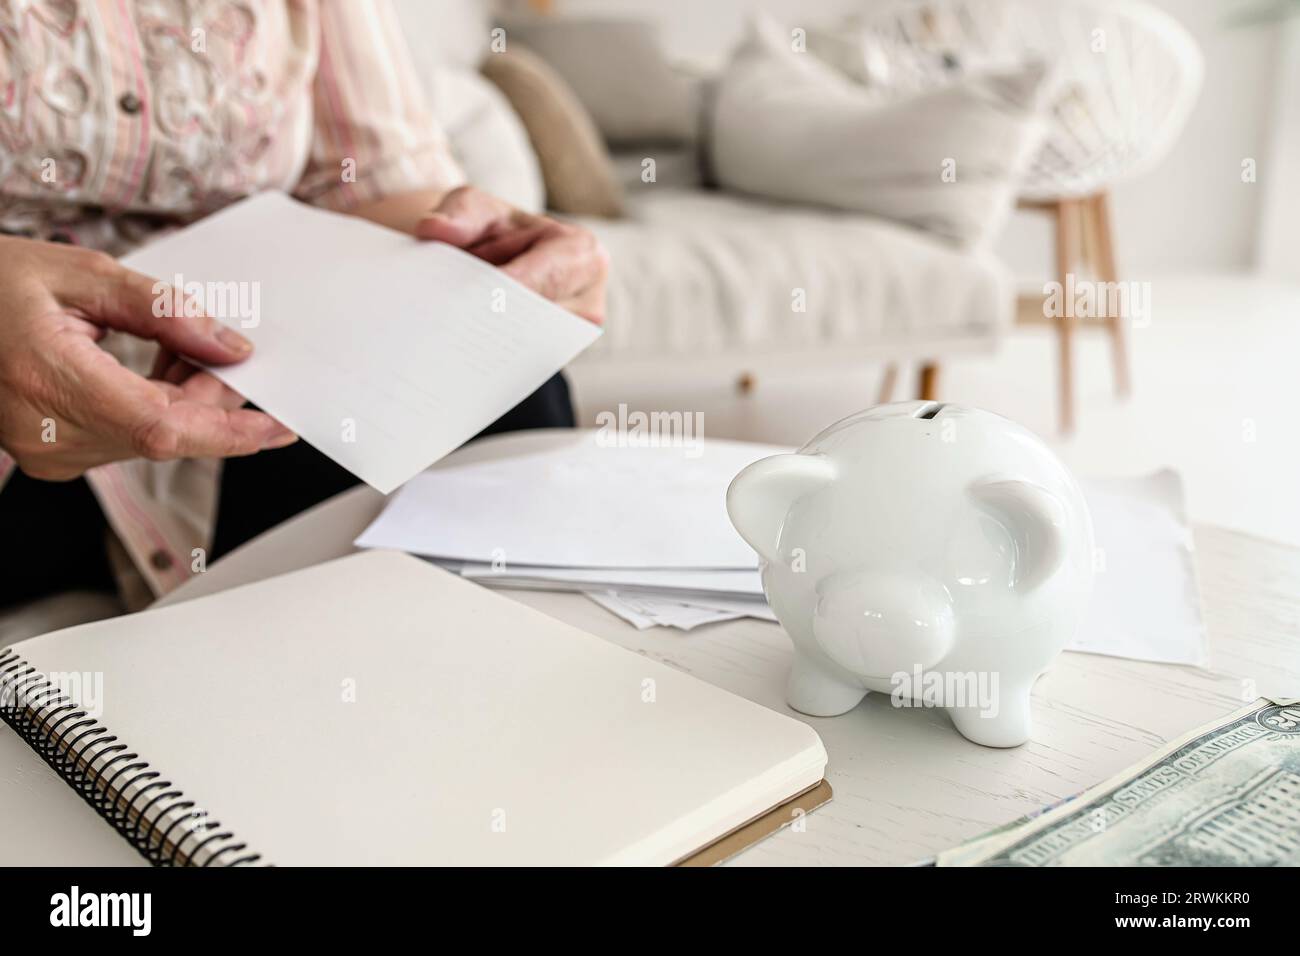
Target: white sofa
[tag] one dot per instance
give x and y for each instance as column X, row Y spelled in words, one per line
column 703, row 278
column 703, row 275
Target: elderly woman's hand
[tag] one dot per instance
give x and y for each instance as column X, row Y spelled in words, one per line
column 67, row 405
column 561, row 261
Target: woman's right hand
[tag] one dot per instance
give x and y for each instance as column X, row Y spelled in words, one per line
column 67, row 405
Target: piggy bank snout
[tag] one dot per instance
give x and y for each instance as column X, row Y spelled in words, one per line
column 878, row 624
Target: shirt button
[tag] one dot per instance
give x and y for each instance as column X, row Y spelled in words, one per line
column 129, row 103
column 161, row 561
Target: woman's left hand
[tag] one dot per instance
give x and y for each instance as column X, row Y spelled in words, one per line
column 561, row 261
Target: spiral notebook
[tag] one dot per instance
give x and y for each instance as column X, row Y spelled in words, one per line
column 376, row 710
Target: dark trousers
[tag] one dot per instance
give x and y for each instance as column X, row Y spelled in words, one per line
column 52, row 538
column 52, row 533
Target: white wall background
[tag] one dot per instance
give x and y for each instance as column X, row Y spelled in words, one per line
column 1279, row 252
column 1191, row 214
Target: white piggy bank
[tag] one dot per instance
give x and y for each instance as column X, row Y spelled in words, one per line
column 940, row 554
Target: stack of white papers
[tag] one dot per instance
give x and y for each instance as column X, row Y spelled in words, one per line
column 643, row 532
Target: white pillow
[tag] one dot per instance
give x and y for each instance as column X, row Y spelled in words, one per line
column 447, row 41
column 487, row 137
column 787, row 126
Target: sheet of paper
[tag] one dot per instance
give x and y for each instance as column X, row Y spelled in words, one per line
column 1145, row 603
column 642, row 611
column 382, row 351
column 621, row 609
column 756, row 608
column 581, row 579
column 596, row 502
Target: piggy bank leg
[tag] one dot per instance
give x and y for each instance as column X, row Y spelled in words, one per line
column 1006, row 725
column 816, row 691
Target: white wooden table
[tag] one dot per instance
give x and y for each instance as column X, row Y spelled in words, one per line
column 906, row 784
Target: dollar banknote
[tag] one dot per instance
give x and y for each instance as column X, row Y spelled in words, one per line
column 1226, row 794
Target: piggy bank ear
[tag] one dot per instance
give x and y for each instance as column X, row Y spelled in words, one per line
column 760, row 496
column 1036, row 521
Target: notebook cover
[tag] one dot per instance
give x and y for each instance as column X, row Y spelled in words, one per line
column 760, row 828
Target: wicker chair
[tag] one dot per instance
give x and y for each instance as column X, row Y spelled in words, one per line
column 1128, row 77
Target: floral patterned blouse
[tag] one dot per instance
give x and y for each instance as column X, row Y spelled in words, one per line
column 120, row 118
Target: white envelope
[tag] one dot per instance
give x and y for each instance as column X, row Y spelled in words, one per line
column 590, row 503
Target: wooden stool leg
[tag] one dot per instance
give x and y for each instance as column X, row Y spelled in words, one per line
column 929, row 382
column 1090, row 237
column 1107, row 272
column 1067, row 238
column 888, row 382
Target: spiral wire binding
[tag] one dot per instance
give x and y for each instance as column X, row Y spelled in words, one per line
column 103, row 771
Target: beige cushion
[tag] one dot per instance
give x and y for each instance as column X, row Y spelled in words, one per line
column 576, row 166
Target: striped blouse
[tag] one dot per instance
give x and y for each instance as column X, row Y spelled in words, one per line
column 121, row 118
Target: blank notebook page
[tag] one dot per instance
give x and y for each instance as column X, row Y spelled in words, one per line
column 378, row 710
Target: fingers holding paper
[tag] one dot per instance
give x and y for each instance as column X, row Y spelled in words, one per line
column 561, row 261
column 97, row 289
column 185, row 385
column 67, row 405
column 99, row 412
